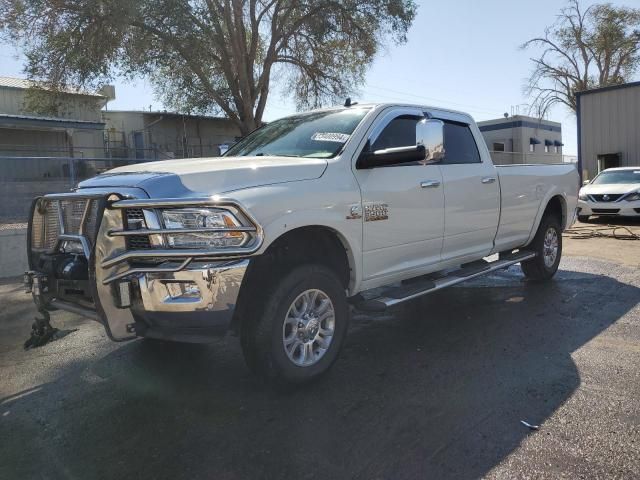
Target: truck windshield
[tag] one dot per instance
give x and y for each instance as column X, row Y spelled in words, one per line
column 618, row 176
column 319, row 134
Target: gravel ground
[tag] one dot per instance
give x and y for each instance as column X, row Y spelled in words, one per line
column 435, row 389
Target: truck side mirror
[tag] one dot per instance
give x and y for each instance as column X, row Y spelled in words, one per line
column 430, row 134
column 390, row 156
column 429, row 148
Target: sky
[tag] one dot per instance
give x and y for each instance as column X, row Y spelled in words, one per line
column 459, row 54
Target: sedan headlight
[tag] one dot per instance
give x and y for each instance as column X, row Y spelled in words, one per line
column 583, row 196
column 632, row 197
column 216, row 228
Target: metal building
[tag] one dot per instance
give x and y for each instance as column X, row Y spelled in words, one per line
column 163, row 135
column 608, row 128
column 72, row 127
column 523, row 139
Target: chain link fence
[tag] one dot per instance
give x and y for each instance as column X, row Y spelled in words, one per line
column 23, row 178
column 28, row 171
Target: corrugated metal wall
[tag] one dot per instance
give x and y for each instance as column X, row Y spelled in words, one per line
column 76, row 107
column 610, row 123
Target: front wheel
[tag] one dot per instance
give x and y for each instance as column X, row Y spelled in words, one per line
column 298, row 333
column 547, row 244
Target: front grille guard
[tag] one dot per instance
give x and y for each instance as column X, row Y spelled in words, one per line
column 183, row 256
column 82, row 235
column 114, row 259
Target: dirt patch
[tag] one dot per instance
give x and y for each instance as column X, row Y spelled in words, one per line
column 606, row 239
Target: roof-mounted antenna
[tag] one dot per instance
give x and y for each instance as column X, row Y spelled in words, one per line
column 348, row 103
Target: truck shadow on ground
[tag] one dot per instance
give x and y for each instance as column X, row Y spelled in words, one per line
column 435, row 389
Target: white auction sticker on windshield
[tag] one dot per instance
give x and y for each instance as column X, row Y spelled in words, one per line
column 330, row 137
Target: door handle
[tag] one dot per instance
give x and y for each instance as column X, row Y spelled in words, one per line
column 430, row 184
column 487, row 180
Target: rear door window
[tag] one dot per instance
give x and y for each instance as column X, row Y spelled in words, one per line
column 459, row 144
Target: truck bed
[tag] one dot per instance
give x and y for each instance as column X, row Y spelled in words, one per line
column 523, row 188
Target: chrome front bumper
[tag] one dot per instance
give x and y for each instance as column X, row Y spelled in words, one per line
column 199, row 301
column 187, row 305
column 210, row 287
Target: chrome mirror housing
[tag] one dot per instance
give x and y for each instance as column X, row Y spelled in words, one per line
column 430, row 134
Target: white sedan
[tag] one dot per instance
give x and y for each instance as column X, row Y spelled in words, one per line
column 614, row 192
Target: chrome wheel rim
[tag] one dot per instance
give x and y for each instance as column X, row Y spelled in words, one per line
column 550, row 247
column 308, row 328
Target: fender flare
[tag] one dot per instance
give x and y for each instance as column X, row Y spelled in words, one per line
column 554, row 192
column 285, row 225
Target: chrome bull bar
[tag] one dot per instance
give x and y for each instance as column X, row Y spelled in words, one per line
column 63, row 233
column 121, row 255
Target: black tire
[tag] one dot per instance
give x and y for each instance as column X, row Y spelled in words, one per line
column 583, row 218
column 262, row 334
column 537, row 268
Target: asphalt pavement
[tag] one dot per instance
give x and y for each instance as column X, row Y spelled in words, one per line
column 435, row 389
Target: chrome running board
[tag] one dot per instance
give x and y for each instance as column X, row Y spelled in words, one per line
column 394, row 295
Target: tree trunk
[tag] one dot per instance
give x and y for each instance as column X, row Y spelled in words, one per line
column 247, row 125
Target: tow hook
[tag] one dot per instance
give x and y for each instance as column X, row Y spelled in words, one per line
column 41, row 330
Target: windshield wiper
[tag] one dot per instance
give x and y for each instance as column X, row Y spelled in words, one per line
column 269, row 154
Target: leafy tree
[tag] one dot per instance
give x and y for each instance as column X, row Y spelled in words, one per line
column 590, row 48
column 208, row 56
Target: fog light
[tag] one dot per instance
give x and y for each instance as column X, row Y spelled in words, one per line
column 183, row 290
column 124, row 291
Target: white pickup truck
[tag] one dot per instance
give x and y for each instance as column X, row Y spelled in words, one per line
column 300, row 221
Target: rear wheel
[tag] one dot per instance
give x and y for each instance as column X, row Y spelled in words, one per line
column 298, row 333
column 547, row 244
column 583, row 218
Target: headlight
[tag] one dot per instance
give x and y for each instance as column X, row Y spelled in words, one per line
column 202, row 218
column 583, row 196
column 632, row 197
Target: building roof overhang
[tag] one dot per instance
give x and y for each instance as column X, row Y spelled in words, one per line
column 25, row 84
column 30, row 121
column 608, row 88
column 487, row 126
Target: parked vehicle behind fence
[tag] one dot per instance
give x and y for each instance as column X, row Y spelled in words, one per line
column 363, row 206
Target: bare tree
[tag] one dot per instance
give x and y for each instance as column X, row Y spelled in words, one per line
column 208, row 56
column 585, row 48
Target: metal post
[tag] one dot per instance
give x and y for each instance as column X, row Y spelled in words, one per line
column 72, row 171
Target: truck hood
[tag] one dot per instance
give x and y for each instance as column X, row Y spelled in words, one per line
column 610, row 188
column 208, row 176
